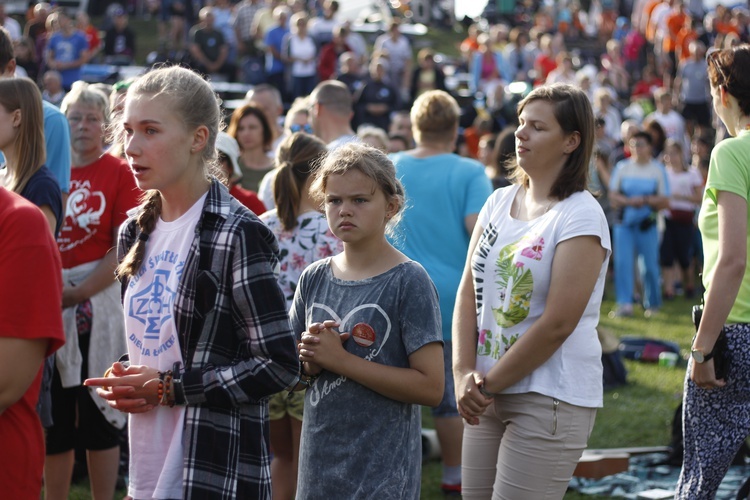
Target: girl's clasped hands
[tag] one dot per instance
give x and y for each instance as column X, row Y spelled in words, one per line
column 322, row 347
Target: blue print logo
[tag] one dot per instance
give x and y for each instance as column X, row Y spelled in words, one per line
column 153, row 305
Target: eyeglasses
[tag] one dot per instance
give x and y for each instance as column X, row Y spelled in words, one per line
column 300, row 128
column 90, row 119
column 711, row 57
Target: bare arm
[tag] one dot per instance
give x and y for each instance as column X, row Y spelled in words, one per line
column 571, row 284
column 51, row 219
column 657, row 202
column 726, row 281
column 421, row 383
column 471, row 403
column 20, row 360
column 469, row 222
column 100, row 278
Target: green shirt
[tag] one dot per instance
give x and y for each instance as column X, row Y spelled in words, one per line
column 729, row 170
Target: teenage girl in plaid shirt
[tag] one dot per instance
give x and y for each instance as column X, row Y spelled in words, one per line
column 207, row 330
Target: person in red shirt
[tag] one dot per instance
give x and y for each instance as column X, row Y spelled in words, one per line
column 30, row 329
column 328, row 62
column 675, row 20
column 229, row 151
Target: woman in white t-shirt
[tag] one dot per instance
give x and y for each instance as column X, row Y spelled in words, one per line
column 527, row 361
column 299, row 50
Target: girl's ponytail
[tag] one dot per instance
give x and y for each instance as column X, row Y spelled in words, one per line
column 296, row 160
column 146, row 221
column 287, row 194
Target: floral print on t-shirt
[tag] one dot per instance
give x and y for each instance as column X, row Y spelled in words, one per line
column 515, row 284
column 310, row 241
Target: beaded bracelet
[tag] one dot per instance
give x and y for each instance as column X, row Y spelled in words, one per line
column 164, row 389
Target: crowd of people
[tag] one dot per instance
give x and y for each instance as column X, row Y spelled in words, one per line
column 360, row 240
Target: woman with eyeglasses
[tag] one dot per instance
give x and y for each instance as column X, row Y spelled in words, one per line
column 716, row 410
column 102, row 190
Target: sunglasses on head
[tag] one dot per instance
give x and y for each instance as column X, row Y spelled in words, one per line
column 712, row 58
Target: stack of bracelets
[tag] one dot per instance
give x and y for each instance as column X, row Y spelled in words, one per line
column 164, row 390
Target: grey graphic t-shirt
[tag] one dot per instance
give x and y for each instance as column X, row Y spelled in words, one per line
column 355, row 442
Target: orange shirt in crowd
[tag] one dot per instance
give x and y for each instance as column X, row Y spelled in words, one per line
column 675, row 22
column 650, row 26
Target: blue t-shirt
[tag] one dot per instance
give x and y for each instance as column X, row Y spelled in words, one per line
column 57, row 142
column 275, row 38
column 42, row 189
column 632, row 179
column 68, row 49
column 441, row 191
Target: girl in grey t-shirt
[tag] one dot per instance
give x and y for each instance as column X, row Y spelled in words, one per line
column 361, row 436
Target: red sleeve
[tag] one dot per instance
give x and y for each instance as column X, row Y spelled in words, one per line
column 327, row 63
column 248, row 198
column 31, row 270
column 254, row 204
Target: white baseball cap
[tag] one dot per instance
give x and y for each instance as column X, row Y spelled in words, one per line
column 227, row 144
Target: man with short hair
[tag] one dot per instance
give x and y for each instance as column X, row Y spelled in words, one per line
column 331, row 111
column 208, row 48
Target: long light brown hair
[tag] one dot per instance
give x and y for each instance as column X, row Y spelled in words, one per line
column 196, row 104
column 30, row 153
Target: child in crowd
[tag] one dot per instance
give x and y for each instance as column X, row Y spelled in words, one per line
column 304, row 237
column 206, row 323
column 365, row 385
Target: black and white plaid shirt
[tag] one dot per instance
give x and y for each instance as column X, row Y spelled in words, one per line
column 238, row 348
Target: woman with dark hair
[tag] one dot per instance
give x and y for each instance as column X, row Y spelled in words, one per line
column 304, row 238
column 250, row 127
column 658, row 136
column 715, row 410
column 527, row 359
column 638, row 189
